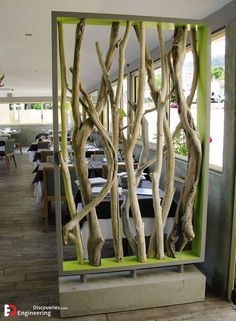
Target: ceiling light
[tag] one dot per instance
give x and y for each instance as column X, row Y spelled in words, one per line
column 28, row 34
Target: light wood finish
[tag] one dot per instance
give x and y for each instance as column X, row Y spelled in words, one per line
column 44, row 144
column 47, row 199
column 45, row 154
column 48, row 188
column 28, row 260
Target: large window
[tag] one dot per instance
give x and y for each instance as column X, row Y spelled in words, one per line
column 187, row 76
column 217, row 99
column 26, row 113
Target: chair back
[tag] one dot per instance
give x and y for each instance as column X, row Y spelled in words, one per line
column 9, row 146
column 45, row 154
column 44, row 145
column 17, row 137
column 48, row 181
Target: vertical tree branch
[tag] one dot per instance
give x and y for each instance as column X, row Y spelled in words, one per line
column 63, row 155
column 128, row 145
column 80, row 137
column 183, row 228
column 115, row 102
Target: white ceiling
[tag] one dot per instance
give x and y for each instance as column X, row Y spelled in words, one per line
column 26, row 61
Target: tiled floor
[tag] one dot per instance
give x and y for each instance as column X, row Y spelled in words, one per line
column 28, row 263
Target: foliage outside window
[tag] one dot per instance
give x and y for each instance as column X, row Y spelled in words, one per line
column 179, row 142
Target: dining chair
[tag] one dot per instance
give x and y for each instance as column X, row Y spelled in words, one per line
column 17, row 137
column 44, row 145
column 9, row 152
column 49, row 193
column 45, row 154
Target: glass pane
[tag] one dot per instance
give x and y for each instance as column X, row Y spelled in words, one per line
column 47, row 116
column 187, row 75
column 30, row 116
column 6, row 114
column 217, row 100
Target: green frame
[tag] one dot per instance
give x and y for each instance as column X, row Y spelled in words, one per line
column 198, row 245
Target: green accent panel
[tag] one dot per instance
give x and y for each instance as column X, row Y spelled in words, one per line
column 203, row 126
column 108, row 22
column 129, row 261
column 93, row 22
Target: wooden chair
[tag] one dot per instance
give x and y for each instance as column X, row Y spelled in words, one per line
column 44, row 145
column 45, row 154
column 17, row 137
column 48, row 189
column 9, row 152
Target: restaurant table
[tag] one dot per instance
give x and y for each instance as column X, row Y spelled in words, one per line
column 146, row 209
column 39, row 152
column 145, row 202
column 5, row 136
column 2, row 144
column 33, row 147
column 94, row 168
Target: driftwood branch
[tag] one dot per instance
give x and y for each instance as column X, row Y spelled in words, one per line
column 128, row 145
column 113, row 167
column 80, row 137
column 183, row 228
column 75, row 235
column 115, row 100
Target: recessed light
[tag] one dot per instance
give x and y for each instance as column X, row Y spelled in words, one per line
column 28, row 34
